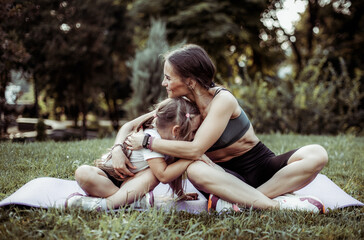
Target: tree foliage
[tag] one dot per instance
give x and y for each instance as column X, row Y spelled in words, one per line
column 77, row 49
column 330, row 29
column 13, row 55
column 147, row 70
column 322, row 101
column 221, row 27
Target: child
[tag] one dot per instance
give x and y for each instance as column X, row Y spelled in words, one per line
column 174, row 118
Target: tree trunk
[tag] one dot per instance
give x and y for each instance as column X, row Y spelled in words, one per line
column 84, row 114
column 36, row 94
column 313, row 8
column 115, row 122
column 298, row 57
column 84, row 121
column 109, row 107
column 3, row 124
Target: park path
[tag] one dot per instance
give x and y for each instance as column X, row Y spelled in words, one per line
column 56, row 130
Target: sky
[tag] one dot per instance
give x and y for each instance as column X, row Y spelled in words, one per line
column 291, row 13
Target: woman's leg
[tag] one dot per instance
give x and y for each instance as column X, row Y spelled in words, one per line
column 302, row 167
column 133, row 189
column 94, row 181
column 226, row 186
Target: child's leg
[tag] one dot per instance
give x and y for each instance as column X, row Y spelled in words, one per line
column 133, row 189
column 94, row 181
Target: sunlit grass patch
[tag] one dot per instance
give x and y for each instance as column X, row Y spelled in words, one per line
column 20, row 163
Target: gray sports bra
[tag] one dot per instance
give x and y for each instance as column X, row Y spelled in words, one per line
column 235, row 129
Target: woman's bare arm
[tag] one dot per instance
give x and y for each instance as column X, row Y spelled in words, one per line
column 212, row 127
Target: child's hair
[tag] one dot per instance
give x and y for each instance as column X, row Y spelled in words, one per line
column 175, row 111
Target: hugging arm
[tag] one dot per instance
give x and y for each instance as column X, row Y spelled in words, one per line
column 120, row 162
column 128, row 127
column 167, row 173
column 212, row 127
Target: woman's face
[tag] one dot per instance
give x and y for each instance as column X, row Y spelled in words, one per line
column 173, row 83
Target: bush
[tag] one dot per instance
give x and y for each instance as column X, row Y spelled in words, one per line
column 319, row 101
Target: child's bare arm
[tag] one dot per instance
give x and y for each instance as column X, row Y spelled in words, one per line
column 120, row 162
column 128, row 127
column 167, row 173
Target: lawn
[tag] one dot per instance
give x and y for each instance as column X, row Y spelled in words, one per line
column 20, row 163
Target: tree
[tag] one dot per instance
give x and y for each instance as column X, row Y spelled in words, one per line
column 227, row 29
column 81, row 54
column 331, row 29
column 76, row 48
column 325, row 51
column 147, row 70
column 340, row 33
column 12, row 55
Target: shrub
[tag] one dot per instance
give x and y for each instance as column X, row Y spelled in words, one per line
column 321, row 100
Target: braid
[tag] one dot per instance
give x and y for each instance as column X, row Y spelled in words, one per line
column 177, row 111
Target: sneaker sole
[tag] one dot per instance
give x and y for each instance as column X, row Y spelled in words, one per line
column 314, row 201
column 211, row 204
column 151, row 199
column 70, row 196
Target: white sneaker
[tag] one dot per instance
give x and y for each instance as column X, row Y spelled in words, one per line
column 301, row 203
column 78, row 200
column 219, row 205
column 147, row 201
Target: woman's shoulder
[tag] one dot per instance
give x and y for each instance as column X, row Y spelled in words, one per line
column 222, row 94
column 225, row 101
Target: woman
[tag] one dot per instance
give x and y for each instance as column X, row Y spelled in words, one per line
column 228, row 138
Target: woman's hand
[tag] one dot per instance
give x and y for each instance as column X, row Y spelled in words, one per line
column 121, row 163
column 189, row 197
column 135, row 140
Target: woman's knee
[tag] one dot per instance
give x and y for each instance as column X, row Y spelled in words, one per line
column 321, row 154
column 199, row 174
column 315, row 156
column 318, row 155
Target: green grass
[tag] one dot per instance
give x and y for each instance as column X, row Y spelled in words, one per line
column 20, row 163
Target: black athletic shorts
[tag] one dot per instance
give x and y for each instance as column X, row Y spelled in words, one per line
column 256, row 166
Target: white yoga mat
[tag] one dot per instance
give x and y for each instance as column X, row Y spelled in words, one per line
column 48, row 192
